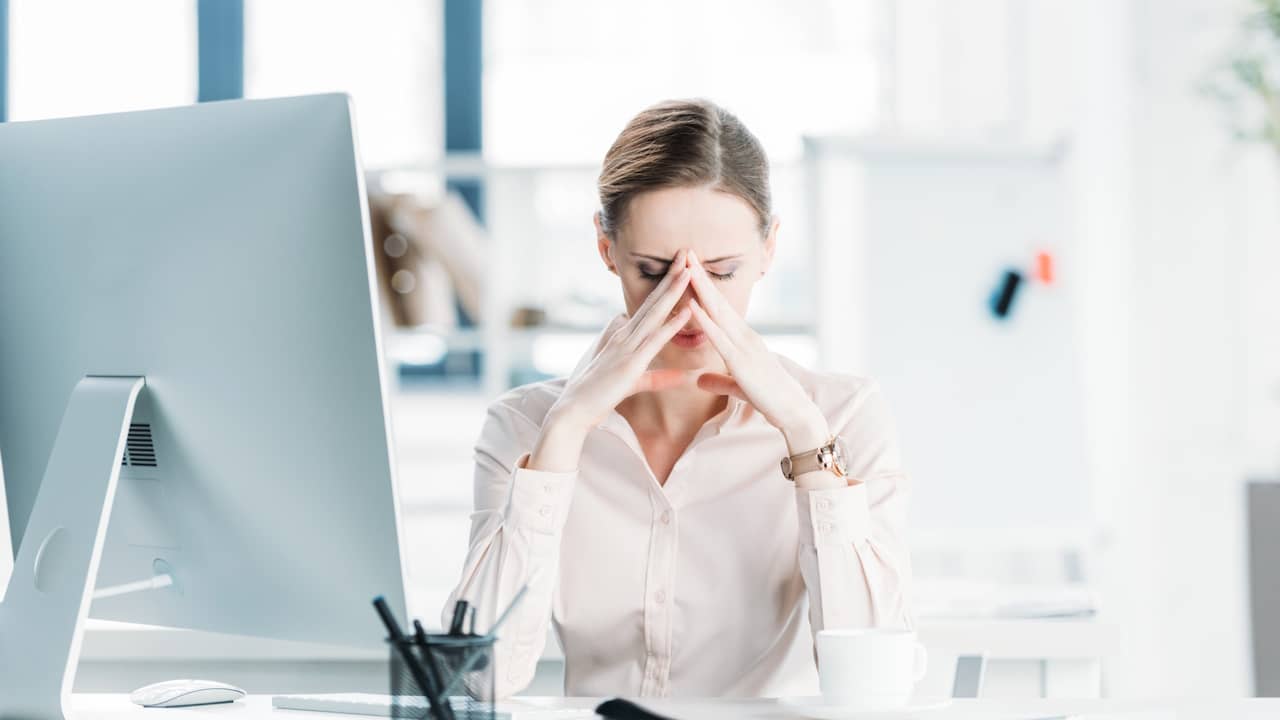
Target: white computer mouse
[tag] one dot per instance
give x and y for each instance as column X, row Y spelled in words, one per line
column 180, row 693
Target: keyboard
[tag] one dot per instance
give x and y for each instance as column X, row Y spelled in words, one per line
column 418, row 707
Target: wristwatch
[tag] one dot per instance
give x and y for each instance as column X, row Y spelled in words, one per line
column 832, row 457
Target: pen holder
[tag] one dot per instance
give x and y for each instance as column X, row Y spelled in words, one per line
column 460, row 666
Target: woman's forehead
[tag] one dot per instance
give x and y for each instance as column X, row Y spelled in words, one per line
column 712, row 222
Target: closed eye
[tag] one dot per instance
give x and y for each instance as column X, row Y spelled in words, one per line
column 653, row 274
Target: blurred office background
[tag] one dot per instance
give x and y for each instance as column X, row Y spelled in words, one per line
column 1086, row 458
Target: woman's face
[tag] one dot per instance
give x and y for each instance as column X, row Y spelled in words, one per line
column 720, row 228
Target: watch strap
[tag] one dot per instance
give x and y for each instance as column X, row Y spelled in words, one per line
column 820, row 458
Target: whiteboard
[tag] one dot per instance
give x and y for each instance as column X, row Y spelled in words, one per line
column 989, row 412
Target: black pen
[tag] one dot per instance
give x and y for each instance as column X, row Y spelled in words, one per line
column 442, row 711
column 433, row 669
column 473, row 660
column 459, row 616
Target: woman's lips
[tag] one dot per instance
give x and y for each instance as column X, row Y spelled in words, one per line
column 689, row 338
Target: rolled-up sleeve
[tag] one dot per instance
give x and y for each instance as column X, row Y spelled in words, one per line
column 852, row 553
column 515, row 539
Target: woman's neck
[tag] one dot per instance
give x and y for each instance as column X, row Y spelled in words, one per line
column 677, row 413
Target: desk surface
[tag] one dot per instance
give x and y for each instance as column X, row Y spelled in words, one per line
column 100, row 706
column 1002, row 639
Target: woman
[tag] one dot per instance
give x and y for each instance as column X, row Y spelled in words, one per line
column 643, row 498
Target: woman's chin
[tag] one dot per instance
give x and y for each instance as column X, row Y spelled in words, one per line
column 701, row 357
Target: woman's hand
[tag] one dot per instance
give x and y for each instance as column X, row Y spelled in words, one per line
column 619, row 369
column 755, row 375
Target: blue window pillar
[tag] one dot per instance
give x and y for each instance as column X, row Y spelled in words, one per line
column 463, row 96
column 220, row 36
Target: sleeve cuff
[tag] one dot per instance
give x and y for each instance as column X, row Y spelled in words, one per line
column 835, row 516
column 539, row 500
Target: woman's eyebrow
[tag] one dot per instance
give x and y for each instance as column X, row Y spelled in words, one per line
column 705, row 262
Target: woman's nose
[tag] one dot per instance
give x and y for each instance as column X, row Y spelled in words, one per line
column 684, row 300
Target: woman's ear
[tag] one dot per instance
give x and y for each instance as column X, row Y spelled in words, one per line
column 603, row 244
column 770, row 244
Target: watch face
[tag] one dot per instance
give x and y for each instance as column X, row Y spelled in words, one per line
column 841, row 453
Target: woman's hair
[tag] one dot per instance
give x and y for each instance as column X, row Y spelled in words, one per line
column 683, row 143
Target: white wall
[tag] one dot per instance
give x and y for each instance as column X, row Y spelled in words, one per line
column 1179, row 237
column 1181, row 222
column 1258, row 203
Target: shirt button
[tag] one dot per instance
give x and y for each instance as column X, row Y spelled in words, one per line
column 824, row 504
column 660, row 597
column 666, row 517
column 546, row 488
column 826, row 528
column 545, row 511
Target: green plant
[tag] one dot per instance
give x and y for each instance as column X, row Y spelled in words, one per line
column 1248, row 84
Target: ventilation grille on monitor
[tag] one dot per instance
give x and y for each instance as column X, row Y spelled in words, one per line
column 139, row 450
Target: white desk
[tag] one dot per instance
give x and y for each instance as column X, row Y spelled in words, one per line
column 1026, row 658
column 258, row 707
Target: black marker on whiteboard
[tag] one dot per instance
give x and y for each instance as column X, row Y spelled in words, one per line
column 1002, row 299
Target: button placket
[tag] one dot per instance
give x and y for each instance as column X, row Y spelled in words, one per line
column 659, row 595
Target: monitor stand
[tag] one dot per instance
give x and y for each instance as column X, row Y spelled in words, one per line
column 43, row 613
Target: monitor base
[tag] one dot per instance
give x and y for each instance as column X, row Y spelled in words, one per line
column 42, row 616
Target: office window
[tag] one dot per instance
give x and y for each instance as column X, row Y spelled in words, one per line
column 960, row 69
column 388, row 54
column 563, row 77
column 70, row 57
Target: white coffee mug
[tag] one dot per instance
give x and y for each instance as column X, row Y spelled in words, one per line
column 869, row 669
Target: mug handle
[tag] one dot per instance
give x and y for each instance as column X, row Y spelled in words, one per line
column 922, row 662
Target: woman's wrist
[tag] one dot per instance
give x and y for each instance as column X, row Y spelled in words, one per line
column 565, row 419
column 820, row 480
column 559, row 445
column 809, row 431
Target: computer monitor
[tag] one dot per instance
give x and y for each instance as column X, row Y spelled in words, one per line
column 188, row 328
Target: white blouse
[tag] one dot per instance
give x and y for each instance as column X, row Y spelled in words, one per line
column 709, row 585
